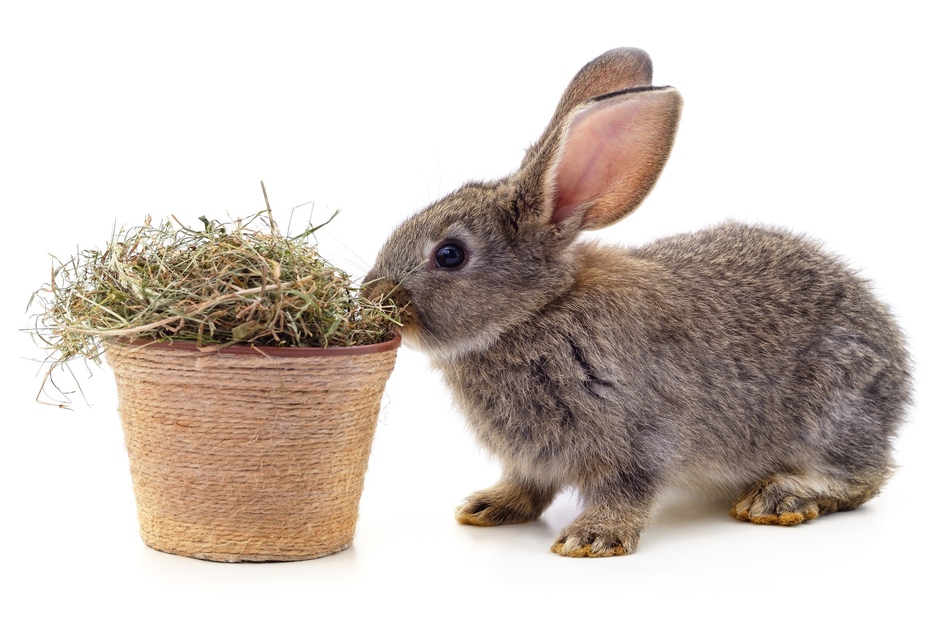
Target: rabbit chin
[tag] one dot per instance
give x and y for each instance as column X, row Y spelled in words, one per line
column 444, row 351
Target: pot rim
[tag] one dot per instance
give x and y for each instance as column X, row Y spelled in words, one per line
column 269, row 351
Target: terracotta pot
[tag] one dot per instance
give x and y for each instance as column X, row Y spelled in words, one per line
column 249, row 453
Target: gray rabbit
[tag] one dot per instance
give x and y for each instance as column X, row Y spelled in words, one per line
column 739, row 359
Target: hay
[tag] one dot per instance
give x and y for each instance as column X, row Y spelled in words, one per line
column 230, row 282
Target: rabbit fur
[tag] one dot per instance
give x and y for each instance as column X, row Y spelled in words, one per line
column 741, row 359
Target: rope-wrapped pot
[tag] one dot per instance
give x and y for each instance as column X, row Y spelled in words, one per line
column 249, row 453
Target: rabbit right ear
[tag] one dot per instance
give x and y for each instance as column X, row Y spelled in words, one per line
column 611, row 154
column 604, row 160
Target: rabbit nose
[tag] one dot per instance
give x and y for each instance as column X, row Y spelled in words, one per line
column 380, row 288
column 375, row 286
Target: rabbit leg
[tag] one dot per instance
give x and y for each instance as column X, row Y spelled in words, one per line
column 787, row 500
column 510, row 501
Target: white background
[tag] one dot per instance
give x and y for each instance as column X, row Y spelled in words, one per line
column 827, row 117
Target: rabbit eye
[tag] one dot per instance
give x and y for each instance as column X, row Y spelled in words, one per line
column 450, row 256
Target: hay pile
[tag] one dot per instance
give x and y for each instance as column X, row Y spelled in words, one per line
column 226, row 283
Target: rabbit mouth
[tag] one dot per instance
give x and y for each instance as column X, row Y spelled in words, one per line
column 414, row 327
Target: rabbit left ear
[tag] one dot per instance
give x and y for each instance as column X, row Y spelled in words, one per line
column 614, row 71
column 606, row 157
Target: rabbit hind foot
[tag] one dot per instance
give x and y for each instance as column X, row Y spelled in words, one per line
column 791, row 499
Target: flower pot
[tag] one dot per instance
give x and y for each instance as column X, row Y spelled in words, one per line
column 248, row 453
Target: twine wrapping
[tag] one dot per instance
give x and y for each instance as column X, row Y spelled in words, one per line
column 246, row 457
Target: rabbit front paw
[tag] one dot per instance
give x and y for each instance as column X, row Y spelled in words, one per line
column 587, row 538
column 505, row 503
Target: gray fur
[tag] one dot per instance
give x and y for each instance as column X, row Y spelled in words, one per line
column 741, row 359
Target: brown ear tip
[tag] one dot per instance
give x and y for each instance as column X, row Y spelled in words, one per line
column 672, row 95
column 629, row 52
column 632, row 58
column 676, row 96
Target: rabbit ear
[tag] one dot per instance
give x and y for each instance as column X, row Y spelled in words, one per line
column 606, row 157
column 616, row 70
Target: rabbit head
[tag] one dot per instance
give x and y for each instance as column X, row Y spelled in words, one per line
column 491, row 255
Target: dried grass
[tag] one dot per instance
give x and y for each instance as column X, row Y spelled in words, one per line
column 229, row 282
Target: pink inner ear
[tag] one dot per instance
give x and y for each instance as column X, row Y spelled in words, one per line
column 611, row 156
column 588, row 163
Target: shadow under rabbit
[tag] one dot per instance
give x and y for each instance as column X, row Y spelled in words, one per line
column 677, row 516
column 700, row 523
column 680, row 519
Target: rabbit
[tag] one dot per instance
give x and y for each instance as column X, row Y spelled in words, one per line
column 743, row 360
